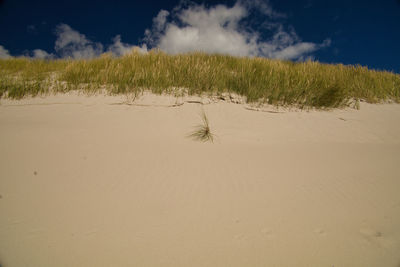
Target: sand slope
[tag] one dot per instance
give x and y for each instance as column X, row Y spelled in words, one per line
column 85, row 181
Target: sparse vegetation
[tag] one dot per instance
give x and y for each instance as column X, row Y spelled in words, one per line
column 202, row 131
column 302, row 84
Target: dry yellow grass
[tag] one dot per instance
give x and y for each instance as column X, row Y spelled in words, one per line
column 303, row 84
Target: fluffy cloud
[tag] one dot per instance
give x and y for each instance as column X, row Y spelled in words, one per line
column 41, row 54
column 119, row 48
column 160, row 20
column 70, row 43
column 37, row 53
column 151, row 37
column 4, row 53
column 191, row 27
column 225, row 30
column 73, row 44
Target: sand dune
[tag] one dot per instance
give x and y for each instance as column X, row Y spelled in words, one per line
column 92, row 181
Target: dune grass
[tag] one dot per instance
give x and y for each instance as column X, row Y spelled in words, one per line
column 202, row 132
column 302, row 84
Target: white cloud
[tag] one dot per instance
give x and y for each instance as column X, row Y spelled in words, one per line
column 222, row 29
column 294, row 51
column 191, row 27
column 70, row 43
column 161, row 19
column 73, row 44
column 4, row 53
column 41, row 54
column 211, row 30
column 151, row 37
column 119, row 48
column 37, row 53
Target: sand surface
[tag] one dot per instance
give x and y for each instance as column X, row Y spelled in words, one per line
column 91, row 181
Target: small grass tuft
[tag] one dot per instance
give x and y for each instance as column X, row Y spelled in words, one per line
column 202, row 131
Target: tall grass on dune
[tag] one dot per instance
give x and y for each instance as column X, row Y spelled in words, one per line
column 302, row 84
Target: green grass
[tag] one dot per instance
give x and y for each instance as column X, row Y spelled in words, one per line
column 303, row 84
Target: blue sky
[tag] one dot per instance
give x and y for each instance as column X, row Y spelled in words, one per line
column 348, row 32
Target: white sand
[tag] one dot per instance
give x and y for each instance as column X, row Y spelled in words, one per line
column 84, row 182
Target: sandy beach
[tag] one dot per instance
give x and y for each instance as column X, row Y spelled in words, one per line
column 96, row 181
